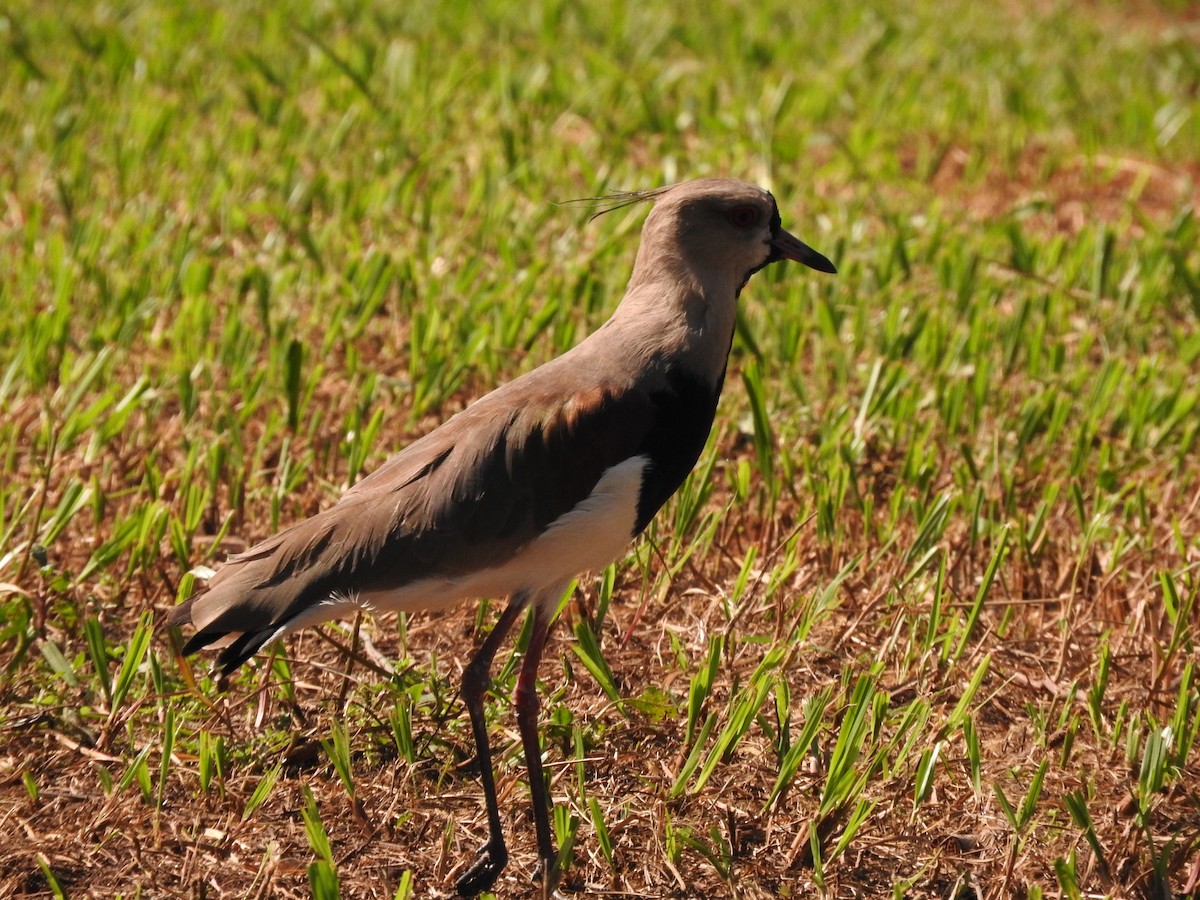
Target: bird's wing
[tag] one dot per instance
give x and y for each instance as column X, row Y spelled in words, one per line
column 467, row 496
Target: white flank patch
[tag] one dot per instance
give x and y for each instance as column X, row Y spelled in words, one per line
column 589, row 537
column 332, row 608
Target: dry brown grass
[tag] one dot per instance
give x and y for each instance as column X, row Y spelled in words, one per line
column 428, row 818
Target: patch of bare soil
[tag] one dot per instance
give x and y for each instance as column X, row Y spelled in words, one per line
column 1063, row 195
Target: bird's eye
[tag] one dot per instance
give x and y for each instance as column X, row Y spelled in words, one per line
column 742, row 216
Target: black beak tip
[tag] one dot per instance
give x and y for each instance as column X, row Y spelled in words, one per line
column 822, row 264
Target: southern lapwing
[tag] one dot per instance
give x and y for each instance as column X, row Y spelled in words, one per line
column 546, row 477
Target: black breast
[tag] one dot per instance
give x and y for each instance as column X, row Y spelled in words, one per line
column 683, row 418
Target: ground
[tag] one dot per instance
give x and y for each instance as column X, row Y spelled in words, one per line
column 923, row 621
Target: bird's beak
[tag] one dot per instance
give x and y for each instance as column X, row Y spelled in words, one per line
column 788, row 246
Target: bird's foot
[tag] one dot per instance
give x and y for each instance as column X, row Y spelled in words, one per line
column 545, row 877
column 483, row 872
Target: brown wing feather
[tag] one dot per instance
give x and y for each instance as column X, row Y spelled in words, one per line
column 467, row 496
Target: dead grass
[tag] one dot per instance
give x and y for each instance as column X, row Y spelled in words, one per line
column 427, row 818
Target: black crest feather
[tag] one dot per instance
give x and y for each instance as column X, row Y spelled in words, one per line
column 607, row 203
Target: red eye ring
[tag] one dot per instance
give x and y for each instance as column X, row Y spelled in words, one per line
column 742, row 216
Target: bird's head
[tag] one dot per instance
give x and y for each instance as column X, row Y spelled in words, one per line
column 717, row 230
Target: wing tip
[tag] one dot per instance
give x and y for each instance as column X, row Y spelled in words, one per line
column 233, row 655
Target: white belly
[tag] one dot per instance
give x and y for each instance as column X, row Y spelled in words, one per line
column 589, row 537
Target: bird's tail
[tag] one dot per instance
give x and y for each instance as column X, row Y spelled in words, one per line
column 258, row 596
column 236, row 646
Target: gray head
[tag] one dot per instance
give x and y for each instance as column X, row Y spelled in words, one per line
column 717, row 225
column 700, row 243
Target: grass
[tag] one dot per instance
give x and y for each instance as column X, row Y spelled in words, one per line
column 924, row 620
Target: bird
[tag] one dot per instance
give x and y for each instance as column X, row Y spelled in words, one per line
column 547, row 476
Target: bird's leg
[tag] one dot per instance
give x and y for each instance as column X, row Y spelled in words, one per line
column 527, row 719
column 477, row 678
